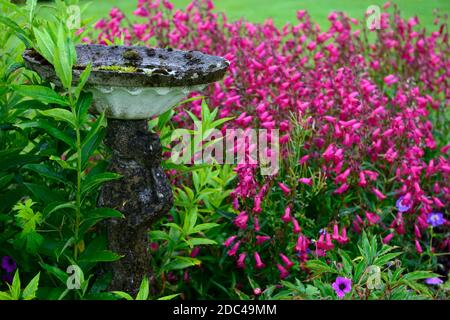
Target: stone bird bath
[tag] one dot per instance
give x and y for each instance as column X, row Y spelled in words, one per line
column 131, row 85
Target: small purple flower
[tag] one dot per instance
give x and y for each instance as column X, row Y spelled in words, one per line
column 401, row 206
column 342, row 286
column 435, row 219
column 434, row 281
column 8, row 264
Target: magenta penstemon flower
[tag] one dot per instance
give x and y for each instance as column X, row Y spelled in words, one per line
column 342, row 286
column 435, row 219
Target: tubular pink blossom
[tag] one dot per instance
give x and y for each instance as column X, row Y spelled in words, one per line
column 378, row 194
column 418, row 247
column 234, row 249
column 241, row 220
column 297, row 228
column 229, row 241
column 287, row 215
column 288, row 263
column 283, row 272
column 261, row 239
column 259, row 263
column 241, row 261
column 256, row 224
column 307, row 181
column 284, row 188
column 388, row 238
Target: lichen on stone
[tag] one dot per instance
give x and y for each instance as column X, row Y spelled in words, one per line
column 118, row 68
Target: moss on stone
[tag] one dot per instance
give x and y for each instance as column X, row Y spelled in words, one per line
column 118, row 68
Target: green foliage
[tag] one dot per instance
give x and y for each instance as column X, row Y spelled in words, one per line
column 15, row 291
column 51, row 158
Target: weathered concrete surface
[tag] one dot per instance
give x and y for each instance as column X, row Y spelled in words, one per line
column 143, row 195
column 155, row 67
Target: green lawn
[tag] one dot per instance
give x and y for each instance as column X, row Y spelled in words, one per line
column 282, row 11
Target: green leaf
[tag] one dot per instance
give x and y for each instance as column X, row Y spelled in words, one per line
column 93, row 181
column 44, row 193
column 419, row 275
column 179, row 263
column 381, row 261
column 62, row 60
column 5, row 296
column 5, row 180
column 83, row 104
column 83, row 79
column 30, row 240
column 318, row 266
column 60, row 115
column 123, row 295
column 45, row 171
column 55, row 271
column 200, row 241
column 44, row 44
column 99, row 256
column 204, row 227
column 101, row 213
column 169, row 297
column 30, row 290
column 15, row 287
column 55, row 206
column 93, row 139
column 50, row 129
column 41, row 93
column 144, row 290
column 158, row 235
column 19, row 32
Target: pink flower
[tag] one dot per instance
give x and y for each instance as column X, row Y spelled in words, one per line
column 241, row 220
column 287, row 215
column 234, row 249
column 284, row 188
column 261, row 239
column 297, row 228
column 378, row 194
column 390, row 80
column 307, row 181
column 141, row 12
column 256, row 224
column 229, row 241
column 241, row 261
column 388, row 238
column 341, row 189
column 259, row 263
column 288, row 263
column 418, row 247
column 372, row 218
column 283, row 272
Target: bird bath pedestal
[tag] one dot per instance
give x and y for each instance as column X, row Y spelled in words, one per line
column 131, row 85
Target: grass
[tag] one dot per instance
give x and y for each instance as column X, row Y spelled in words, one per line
column 282, row 11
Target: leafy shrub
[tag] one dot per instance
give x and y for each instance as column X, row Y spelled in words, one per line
column 362, row 117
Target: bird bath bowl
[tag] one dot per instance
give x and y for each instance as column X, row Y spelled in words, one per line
column 131, row 85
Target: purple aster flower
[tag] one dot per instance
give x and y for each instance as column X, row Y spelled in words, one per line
column 401, row 205
column 8, row 264
column 435, row 219
column 434, row 281
column 342, row 286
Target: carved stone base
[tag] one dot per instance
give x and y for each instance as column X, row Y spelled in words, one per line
column 143, row 195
